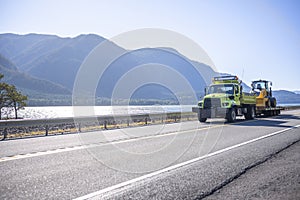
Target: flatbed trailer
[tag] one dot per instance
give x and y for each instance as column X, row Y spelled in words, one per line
column 268, row 111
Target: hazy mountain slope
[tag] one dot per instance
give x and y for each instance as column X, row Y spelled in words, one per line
column 284, row 96
column 297, row 91
column 26, row 82
column 156, row 60
column 58, row 59
column 48, row 57
column 7, row 64
column 23, row 49
column 61, row 65
column 55, row 61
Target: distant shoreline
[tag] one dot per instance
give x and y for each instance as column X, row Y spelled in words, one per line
column 288, row 104
column 279, row 104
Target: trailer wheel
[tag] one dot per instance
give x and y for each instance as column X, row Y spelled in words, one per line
column 267, row 113
column 231, row 115
column 250, row 113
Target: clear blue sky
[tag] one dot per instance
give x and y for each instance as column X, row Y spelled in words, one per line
column 250, row 38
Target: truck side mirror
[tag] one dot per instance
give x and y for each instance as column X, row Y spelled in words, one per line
column 205, row 90
column 236, row 90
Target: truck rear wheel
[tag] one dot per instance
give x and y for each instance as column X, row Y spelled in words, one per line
column 231, row 115
column 250, row 113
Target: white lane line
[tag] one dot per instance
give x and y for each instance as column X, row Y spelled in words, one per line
column 102, row 192
column 30, row 155
column 67, row 149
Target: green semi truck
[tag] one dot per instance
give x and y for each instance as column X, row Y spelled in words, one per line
column 225, row 98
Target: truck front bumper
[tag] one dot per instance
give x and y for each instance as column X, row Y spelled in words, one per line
column 210, row 112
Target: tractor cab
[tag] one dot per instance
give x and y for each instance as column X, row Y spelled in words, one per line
column 261, row 85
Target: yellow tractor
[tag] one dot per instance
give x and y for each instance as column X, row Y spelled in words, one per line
column 265, row 102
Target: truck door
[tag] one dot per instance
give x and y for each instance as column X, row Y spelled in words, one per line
column 237, row 95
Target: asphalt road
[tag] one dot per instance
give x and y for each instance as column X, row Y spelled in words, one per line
column 277, row 178
column 189, row 160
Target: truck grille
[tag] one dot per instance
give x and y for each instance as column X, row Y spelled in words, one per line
column 212, row 103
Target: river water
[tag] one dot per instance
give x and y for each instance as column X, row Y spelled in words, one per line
column 68, row 111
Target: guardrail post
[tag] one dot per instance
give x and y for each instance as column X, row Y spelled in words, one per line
column 105, row 125
column 146, row 121
column 127, row 122
column 79, row 127
column 5, row 134
column 47, row 129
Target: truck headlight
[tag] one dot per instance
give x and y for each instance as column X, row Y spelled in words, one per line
column 225, row 104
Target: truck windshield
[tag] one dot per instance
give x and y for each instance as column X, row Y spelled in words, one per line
column 227, row 88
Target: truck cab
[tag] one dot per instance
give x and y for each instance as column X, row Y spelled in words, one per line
column 227, row 92
column 225, row 98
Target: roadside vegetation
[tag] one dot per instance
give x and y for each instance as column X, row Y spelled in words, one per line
column 10, row 99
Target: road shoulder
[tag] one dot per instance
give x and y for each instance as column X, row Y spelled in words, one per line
column 277, row 178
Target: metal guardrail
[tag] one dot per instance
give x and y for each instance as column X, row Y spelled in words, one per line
column 291, row 107
column 38, row 127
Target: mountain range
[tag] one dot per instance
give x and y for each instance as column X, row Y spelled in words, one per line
column 44, row 67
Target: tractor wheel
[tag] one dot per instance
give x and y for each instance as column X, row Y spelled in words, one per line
column 268, row 103
column 273, row 102
column 231, row 115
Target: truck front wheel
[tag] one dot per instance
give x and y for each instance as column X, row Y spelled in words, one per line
column 231, row 115
column 200, row 118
